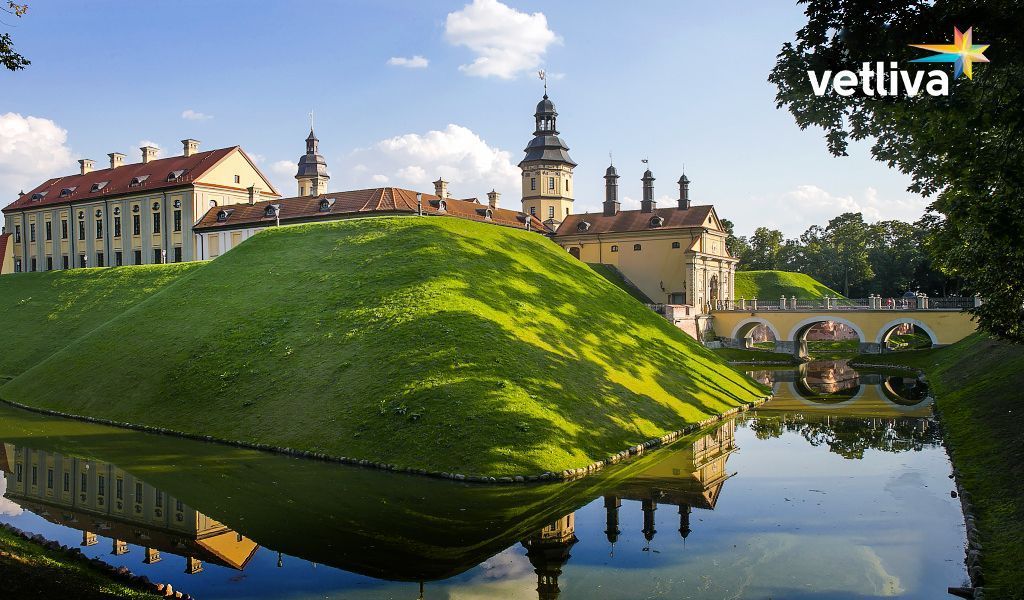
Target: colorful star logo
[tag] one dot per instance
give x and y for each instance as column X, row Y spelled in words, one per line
column 962, row 53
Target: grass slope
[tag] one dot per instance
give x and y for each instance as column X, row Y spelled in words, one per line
column 977, row 384
column 770, row 285
column 428, row 342
column 614, row 275
column 43, row 312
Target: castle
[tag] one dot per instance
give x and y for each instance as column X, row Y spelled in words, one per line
column 199, row 205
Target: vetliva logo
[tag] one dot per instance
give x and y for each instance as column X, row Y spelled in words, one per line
column 877, row 80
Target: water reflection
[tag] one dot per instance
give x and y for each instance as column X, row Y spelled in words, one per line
column 242, row 523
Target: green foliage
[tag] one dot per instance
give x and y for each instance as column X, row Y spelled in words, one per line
column 43, row 312
column 614, row 275
column 763, row 252
column 10, row 59
column 966, row 149
column 431, row 342
column 977, row 384
column 770, row 285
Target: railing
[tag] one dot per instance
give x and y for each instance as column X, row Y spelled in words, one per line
column 919, row 302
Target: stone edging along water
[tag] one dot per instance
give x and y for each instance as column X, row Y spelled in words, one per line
column 973, row 558
column 122, row 574
column 566, row 475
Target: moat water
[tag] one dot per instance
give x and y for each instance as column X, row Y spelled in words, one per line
column 837, row 488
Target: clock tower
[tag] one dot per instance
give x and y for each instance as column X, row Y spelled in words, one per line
column 547, row 170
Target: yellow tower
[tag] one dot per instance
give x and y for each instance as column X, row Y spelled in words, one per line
column 547, row 170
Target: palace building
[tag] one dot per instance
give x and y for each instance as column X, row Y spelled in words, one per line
column 675, row 255
column 127, row 214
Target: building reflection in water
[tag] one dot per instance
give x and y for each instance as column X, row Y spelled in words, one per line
column 690, row 476
column 98, row 498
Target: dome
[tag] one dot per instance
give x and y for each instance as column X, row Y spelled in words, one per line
column 683, row 178
column 648, row 174
column 611, row 172
column 545, row 107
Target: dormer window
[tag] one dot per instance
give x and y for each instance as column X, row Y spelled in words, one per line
column 38, row 196
column 99, row 185
column 138, row 180
column 222, row 215
column 325, row 205
column 583, row 226
column 657, row 221
column 64, row 193
column 271, row 210
column 488, row 215
column 442, row 206
column 173, row 175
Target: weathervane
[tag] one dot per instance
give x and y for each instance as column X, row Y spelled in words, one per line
column 311, row 120
column 544, row 77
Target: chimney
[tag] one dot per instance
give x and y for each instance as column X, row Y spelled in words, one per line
column 254, row 194
column 647, row 204
column 441, row 188
column 492, row 199
column 611, row 192
column 684, row 192
column 116, row 160
column 86, row 165
column 189, row 147
column 149, row 153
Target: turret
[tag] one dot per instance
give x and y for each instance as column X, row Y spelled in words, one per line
column 684, row 192
column 611, row 507
column 648, row 204
column 547, row 169
column 611, row 192
column 312, row 174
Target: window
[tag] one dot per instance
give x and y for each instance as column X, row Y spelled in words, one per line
column 551, row 183
column 120, row 489
column 138, row 492
column 177, row 254
column 85, row 484
column 118, row 258
column 117, row 227
column 17, row 234
column 615, row 248
column 136, row 225
column 238, row 179
column 35, row 475
column 38, row 196
column 138, row 180
column 533, row 211
column 31, row 232
column 175, row 174
column 158, row 256
column 64, row 193
column 675, row 245
column 138, row 257
column 67, row 482
column 551, row 212
column 19, row 473
column 99, row 186
column 81, row 230
column 177, row 220
column 17, row 265
column 99, row 229
column 63, row 229
column 34, row 265
column 179, row 506
column 156, row 222
column 64, row 261
column 533, row 183
column 49, row 263
column 49, row 479
column 159, row 499
column 81, row 260
column 49, row 231
column 636, row 247
column 567, row 185
column 99, row 259
column 101, row 485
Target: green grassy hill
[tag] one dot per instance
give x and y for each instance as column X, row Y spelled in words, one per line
column 43, row 312
column 434, row 343
column 977, row 384
column 770, row 285
column 614, row 275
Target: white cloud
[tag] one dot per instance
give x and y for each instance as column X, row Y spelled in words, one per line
column 505, row 40
column 455, row 153
column 7, row 507
column 379, row 178
column 416, row 62
column 149, row 143
column 284, row 167
column 192, row 115
column 794, row 211
column 32, row 150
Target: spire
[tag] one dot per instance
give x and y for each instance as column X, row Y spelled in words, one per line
column 312, row 173
column 684, row 192
column 611, row 191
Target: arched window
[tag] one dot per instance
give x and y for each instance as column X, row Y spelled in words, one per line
column 582, row 226
column 615, row 248
column 488, row 214
column 657, row 221
column 636, row 247
column 325, row 205
column 442, row 206
column 675, row 245
column 222, row 215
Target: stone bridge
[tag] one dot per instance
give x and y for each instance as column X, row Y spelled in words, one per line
column 944, row 320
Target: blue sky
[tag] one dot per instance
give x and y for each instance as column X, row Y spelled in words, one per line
column 678, row 82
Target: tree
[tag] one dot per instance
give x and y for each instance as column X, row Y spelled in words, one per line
column 895, row 254
column 8, row 57
column 737, row 246
column 965, row 149
column 763, row 253
column 846, row 238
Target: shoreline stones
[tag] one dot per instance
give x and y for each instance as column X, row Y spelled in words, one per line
column 566, row 475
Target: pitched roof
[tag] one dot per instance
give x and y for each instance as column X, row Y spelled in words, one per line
column 154, row 176
column 4, row 237
column 359, row 202
column 635, row 220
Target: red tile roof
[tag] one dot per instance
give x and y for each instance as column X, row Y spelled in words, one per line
column 4, row 237
column 118, row 180
column 358, row 202
column 635, row 220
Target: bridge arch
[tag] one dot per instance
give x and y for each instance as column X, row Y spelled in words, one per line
column 799, row 330
column 886, row 330
column 744, row 327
